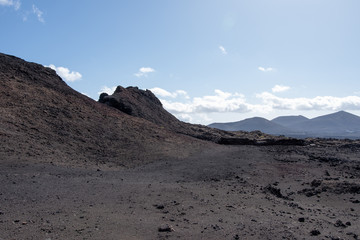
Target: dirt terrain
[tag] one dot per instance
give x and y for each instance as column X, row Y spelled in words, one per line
column 73, row 168
column 228, row 192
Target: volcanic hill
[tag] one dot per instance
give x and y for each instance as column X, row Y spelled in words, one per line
column 41, row 117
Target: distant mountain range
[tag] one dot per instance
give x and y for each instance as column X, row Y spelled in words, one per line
column 336, row 125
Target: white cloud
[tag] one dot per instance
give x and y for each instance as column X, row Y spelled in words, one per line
column 6, row 2
column 159, row 92
column 65, row 73
column 279, row 88
column 38, row 13
column 16, row 4
column 108, row 90
column 316, row 103
column 268, row 69
column 143, row 72
column 220, row 102
column 223, row 50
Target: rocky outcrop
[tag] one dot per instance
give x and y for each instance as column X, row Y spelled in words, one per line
column 139, row 103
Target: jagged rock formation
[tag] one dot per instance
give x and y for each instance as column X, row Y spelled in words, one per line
column 139, row 103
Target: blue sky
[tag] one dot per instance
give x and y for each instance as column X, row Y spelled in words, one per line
column 208, row 61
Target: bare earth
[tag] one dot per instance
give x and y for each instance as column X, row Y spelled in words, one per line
column 226, row 192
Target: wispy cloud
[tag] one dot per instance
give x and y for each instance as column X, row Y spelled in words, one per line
column 66, row 74
column 38, row 13
column 279, row 88
column 8, row 3
column 268, row 69
column 223, row 50
column 144, row 71
column 108, row 90
column 159, row 92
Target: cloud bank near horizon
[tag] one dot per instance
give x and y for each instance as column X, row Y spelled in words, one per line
column 226, row 102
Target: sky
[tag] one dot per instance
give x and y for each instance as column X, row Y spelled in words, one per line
column 206, row 60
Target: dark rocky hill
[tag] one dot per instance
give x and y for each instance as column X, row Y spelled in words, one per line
column 41, row 117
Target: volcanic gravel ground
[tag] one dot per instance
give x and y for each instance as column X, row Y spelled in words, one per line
column 227, row 192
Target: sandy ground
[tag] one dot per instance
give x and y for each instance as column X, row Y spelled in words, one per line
column 227, row 192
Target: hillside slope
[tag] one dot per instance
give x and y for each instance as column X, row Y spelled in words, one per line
column 44, row 119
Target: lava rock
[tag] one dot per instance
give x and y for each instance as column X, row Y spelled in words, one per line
column 166, row 228
column 315, row 232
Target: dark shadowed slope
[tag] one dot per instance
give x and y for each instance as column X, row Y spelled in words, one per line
column 253, row 124
column 42, row 118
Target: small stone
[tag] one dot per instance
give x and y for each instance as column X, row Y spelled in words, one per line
column 339, row 223
column 315, row 232
column 160, row 206
column 315, row 183
column 301, row 219
column 166, row 228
